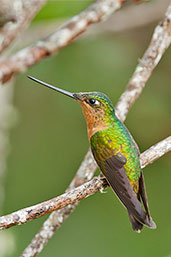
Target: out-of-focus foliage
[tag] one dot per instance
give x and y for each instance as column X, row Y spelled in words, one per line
column 61, row 9
column 50, row 141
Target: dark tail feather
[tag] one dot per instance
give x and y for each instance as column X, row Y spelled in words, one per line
column 136, row 225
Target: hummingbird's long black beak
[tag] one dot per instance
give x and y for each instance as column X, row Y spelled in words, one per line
column 72, row 95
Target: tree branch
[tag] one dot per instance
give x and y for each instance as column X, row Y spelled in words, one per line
column 131, row 18
column 77, row 194
column 38, row 210
column 29, row 56
column 7, row 118
column 155, row 152
column 57, row 218
column 161, row 40
column 24, row 12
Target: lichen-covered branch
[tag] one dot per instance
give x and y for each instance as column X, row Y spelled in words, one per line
column 19, row 11
column 155, row 152
column 160, row 41
column 57, row 218
column 7, row 12
column 27, row 57
column 38, row 210
column 131, row 18
column 77, row 194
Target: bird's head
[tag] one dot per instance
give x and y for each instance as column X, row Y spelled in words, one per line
column 97, row 107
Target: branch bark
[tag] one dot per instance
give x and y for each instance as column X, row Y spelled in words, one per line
column 160, row 41
column 7, row 118
column 57, row 218
column 23, row 12
column 131, row 18
column 38, row 210
column 161, row 36
column 29, row 56
column 77, row 194
column 155, row 152
column 7, row 111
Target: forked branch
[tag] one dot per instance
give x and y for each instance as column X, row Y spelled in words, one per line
column 161, row 38
column 85, row 190
column 24, row 13
column 160, row 41
column 29, row 56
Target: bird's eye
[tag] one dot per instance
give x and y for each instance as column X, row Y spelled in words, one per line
column 92, row 102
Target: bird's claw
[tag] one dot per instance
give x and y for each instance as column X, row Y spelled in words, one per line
column 105, row 183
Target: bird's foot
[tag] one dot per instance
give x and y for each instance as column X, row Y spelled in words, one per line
column 105, row 183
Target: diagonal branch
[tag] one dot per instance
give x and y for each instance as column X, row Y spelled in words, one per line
column 38, row 210
column 155, row 152
column 57, row 218
column 29, row 56
column 77, row 194
column 160, row 41
column 24, row 13
column 161, row 36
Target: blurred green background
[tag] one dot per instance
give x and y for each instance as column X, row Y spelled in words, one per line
column 50, row 140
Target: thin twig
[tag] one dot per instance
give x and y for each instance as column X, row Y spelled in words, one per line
column 161, row 40
column 38, row 210
column 131, row 18
column 127, row 99
column 24, row 13
column 85, row 171
column 77, row 194
column 155, row 152
column 57, row 218
column 27, row 57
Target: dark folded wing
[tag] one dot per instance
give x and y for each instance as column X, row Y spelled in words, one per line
column 114, row 171
column 142, row 194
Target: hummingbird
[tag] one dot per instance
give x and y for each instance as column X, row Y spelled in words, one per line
column 115, row 152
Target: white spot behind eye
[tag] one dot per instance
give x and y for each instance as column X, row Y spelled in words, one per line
column 97, row 102
column 92, row 102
